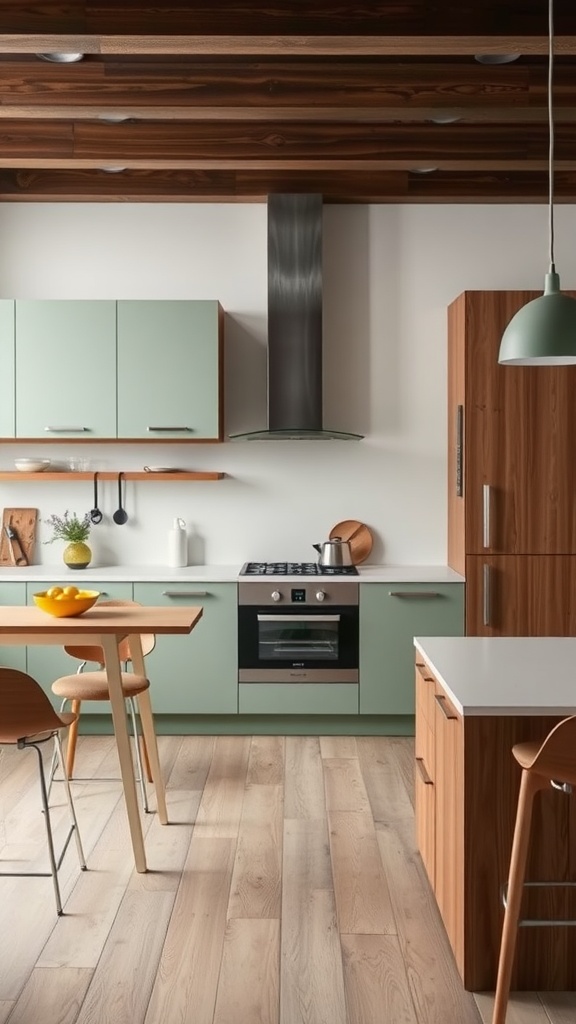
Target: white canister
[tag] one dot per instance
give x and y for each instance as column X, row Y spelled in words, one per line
column 178, row 544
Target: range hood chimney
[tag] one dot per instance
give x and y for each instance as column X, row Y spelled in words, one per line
column 295, row 323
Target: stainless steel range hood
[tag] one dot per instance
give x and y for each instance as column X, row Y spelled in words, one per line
column 295, row 323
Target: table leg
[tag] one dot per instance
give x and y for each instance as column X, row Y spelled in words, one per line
column 148, row 729
column 110, row 647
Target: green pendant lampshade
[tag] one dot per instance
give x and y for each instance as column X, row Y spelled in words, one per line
column 543, row 332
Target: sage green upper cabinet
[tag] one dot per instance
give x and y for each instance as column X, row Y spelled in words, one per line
column 169, row 369
column 391, row 615
column 65, row 369
column 7, row 396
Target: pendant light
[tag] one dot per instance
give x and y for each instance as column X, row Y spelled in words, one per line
column 543, row 332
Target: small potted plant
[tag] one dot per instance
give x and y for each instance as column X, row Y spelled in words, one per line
column 69, row 527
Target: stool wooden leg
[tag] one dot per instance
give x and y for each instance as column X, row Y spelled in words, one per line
column 72, row 737
column 530, row 784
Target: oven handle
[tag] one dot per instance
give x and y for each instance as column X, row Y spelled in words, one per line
column 298, row 618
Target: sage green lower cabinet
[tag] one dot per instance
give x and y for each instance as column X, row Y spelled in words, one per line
column 47, row 662
column 195, row 674
column 13, row 656
column 298, row 699
column 7, row 374
column 391, row 615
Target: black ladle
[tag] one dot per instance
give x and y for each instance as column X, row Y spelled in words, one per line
column 95, row 514
column 120, row 516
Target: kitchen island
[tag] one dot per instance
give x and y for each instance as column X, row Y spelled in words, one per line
column 475, row 698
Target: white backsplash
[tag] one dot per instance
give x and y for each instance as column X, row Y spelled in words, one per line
column 389, row 273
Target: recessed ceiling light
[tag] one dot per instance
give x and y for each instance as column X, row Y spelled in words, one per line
column 422, row 170
column 113, row 118
column 112, row 170
column 61, row 58
column 445, row 119
column 496, row 58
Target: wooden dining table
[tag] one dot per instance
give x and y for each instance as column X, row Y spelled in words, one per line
column 107, row 626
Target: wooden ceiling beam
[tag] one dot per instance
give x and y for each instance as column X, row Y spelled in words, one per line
column 42, row 185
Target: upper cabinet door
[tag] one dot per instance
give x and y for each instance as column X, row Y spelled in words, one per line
column 169, row 370
column 65, row 369
column 512, row 470
column 7, row 396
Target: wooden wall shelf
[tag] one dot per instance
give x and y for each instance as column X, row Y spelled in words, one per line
column 107, row 475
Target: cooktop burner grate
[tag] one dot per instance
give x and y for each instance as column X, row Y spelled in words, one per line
column 296, row 569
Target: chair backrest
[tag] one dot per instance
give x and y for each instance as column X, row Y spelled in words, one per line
column 148, row 641
column 25, row 710
column 556, row 757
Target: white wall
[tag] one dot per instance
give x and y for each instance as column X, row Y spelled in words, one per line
column 389, row 273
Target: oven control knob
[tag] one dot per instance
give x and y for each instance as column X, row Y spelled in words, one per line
column 320, row 595
column 276, row 595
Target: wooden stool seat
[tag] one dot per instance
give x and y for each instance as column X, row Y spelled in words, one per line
column 93, row 686
column 545, row 765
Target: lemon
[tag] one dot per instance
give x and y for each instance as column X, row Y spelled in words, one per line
column 70, row 591
column 61, row 597
column 54, row 592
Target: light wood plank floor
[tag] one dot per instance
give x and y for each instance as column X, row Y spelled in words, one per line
column 286, row 890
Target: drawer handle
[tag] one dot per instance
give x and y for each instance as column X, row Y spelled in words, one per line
column 169, row 428
column 422, row 772
column 441, row 700
column 66, row 430
column 422, row 670
column 486, row 515
column 415, row 594
column 185, row 593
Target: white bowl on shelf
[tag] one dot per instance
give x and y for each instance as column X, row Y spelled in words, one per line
column 31, row 465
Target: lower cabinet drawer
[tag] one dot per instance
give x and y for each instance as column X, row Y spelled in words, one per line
column 298, row 698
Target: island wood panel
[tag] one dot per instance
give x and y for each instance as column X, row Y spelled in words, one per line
column 519, row 423
column 475, row 789
column 527, row 595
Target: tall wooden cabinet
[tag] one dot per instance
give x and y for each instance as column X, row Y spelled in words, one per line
column 511, row 476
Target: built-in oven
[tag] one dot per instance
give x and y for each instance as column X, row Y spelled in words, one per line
column 303, row 631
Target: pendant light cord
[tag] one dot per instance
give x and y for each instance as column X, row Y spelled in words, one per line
column 550, row 136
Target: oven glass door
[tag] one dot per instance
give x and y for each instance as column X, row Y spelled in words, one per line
column 298, row 637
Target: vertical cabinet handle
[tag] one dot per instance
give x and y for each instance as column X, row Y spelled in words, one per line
column 459, row 450
column 486, row 596
column 486, row 515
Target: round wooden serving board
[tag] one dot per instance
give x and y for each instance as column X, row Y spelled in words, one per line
column 358, row 535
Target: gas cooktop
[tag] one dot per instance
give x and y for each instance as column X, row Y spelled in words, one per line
column 296, row 569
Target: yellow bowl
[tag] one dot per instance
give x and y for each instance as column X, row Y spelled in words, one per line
column 66, row 607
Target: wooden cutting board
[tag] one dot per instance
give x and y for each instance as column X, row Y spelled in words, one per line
column 23, row 522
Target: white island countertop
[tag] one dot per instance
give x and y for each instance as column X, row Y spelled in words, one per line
column 219, row 574
column 510, row 675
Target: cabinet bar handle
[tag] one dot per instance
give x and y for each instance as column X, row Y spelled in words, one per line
column 459, row 450
column 169, row 428
column 298, row 618
column 486, row 515
column 441, row 701
column 66, row 430
column 486, row 595
column 185, row 593
column 422, row 772
column 414, row 593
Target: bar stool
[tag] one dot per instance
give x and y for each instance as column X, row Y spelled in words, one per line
column 547, row 764
column 27, row 719
column 93, row 686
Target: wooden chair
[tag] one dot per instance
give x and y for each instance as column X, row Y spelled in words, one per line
column 27, row 719
column 90, row 686
column 551, row 763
